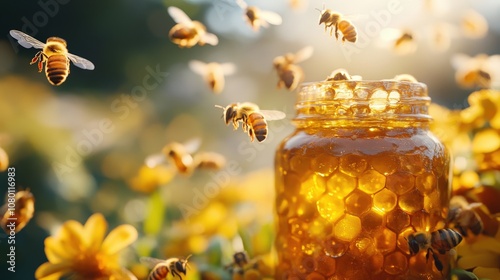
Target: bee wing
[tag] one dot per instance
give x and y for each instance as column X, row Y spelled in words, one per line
column 303, row 54
column 178, row 15
column 228, row 68
column 26, row 40
column 192, row 145
column 199, row 67
column 272, row 115
column 460, row 60
column 271, row 17
column 154, row 160
column 242, row 4
column 81, row 62
column 210, row 39
column 151, row 262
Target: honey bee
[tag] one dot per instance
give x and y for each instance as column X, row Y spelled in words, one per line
column 55, row 54
column 257, row 17
column 442, row 240
column 4, row 160
column 213, row 73
column 17, row 216
column 187, row 33
column 209, row 160
column 481, row 71
column 291, row 75
column 252, row 118
column 161, row 268
column 463, row 216
column 400, row 41
column 337, row 21
column 240, row 260
column 342, row 75
column 474, row 25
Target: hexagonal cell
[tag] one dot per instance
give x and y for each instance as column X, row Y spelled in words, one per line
column 416, row 163
column 385, row 200
column 420, row 221
column 315, row 276
column 341, row 184
column 426, row 183
column 411, row 201
column 385, row 241
column 402, row 242
column 333, row 248
column 400, row 182
column 432, row 201
column 330, row 207
column 372, row 221
column 385, row 164
column 358, row 203
column 371, row 181
column 291, row 183
column 347, row 228
column 395, row 263
column 313, row 187
column 324, row 164
column 362, row 247
column 318, row 227
column 353, row 165
column 305, row 264
column 325, row 265
column 397, row 219
column 300, row 164
column 375, row 263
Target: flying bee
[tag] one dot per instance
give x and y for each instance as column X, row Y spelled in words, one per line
column 474, row 25
column 400, row 41
column 187, row 33
column 481, row 71
column 257, row 17
column 213, row 73
column 442, row 240
column 54, row 54
column 161, row 268
column 15, row 216
column 240, row 260
column 337, row 21
column 463, row 216
column 291, row 75
column 254, row 120
column 209, row 160
column 342, row 75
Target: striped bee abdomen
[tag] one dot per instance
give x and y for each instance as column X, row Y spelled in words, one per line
column 259, row 126
column 445, row 239
column 57, row 69
column 160, row 272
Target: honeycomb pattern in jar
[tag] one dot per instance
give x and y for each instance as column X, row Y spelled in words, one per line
column 347, row 216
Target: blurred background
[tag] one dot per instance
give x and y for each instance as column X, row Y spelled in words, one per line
column 55, row 139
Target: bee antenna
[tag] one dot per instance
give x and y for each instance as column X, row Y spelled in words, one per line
column 318, row 10
column 186, row 261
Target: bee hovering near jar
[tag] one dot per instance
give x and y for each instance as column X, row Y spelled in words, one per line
column 291, row 75
column 441, row 240
column 463, row 217
column 257, row 17
column 213, row 73
column 254, row 120
column 187, row 33
column 161, row 268
column 481, row 71
column 338, row 22
column 19, row 213
column 54, row 54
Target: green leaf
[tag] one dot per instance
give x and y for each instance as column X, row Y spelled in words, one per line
column 155, row 214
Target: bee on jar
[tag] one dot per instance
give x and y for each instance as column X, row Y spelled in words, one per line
column 463, row 216
column 342, row 75
column 337, row 21
column 254, row 120
column 161, row 268
column 187, row 33
column 291, row 75
column 481, row 71
column 213, row 73
column 441, row 240
column 19, row 214
column 54, row 54
column 257, row 17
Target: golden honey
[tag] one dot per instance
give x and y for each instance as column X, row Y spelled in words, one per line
column 360, row 173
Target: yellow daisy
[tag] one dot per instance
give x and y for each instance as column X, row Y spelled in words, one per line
column 82, row 252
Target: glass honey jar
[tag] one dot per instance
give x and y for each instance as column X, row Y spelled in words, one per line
column 360, row 173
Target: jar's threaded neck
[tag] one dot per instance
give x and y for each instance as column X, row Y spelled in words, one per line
column 364, row 101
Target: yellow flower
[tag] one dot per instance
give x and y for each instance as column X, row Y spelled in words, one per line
column 82, row 252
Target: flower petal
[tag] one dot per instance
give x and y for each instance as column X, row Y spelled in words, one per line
column 49, row 270
column 71, row 234
column 487, row 273
column 118, row 239
column 485, row 259
column 56, row 252
column 95, row 230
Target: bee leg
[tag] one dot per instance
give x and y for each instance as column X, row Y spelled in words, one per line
column 437, row 263
column 40, row 58
column 336, row 31
column 174, row 273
